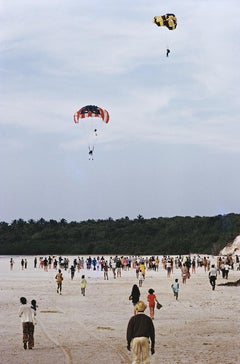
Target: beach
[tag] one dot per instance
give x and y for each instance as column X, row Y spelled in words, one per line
column 203, row 326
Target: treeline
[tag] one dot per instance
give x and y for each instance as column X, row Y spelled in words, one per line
column 157, row 236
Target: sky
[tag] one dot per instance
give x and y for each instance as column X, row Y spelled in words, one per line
column 171, row 147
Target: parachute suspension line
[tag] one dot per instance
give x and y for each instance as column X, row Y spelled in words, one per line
column 167, row 48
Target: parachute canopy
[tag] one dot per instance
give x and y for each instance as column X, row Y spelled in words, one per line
column 91, row 111
column 168, row 20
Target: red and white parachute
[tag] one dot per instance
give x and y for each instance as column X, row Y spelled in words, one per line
column 90, row 111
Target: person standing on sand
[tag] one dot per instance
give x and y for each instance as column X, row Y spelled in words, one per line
column 139, row 330
column 105, row 270
column 11, row 263
column 22, row 263
column 137, row 270
column 134, row 296
column 114, row 266
column 168, row 268
column 194, row 265
column 34, row 306
column 227, row 268
column 140, row 279
column 28, row 321
column 59, row 279
column 72, row 270
column 83, row 285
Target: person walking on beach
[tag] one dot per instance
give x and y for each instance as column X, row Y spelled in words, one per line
column 226, row 268
column 139, row 330
column 140, row 279
column 105, row 271
column 28, row 321
column 72, row 270
column 175, row 288
column 134, row 296
column 142, row 268
column 168, row 268
column 185, row 273
column 22, row 263
column 59, row 279
column 151, row 302
column 212, row 276
column 11, row 263
column 83, row 285
column 114, row 269
column 194, row 265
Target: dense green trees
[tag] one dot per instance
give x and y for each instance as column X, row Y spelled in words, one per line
column 176, row 235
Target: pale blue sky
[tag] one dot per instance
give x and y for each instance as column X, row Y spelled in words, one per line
column 172, row 144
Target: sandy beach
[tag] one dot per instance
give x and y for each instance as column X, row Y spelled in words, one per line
column 203, row 326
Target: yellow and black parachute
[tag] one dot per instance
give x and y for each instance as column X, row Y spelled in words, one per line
column 167, row 20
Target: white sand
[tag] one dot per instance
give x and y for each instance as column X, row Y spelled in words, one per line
column 202, row 327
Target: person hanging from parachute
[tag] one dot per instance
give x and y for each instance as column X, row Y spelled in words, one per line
column 90, row 152
column 91, row 111
column 167, row 20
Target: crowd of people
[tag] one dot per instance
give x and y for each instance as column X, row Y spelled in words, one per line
column 127, row 262
column 140, row 328
column 187, row 265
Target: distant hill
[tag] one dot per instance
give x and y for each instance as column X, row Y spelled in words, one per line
column 175, row 235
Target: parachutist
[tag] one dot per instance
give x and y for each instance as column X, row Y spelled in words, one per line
column 90, row 153
column 168, row 51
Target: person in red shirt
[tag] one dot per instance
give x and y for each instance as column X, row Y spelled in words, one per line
column 152, row 299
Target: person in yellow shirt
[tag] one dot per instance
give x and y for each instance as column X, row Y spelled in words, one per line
column 142, row 268
column 83, row 285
